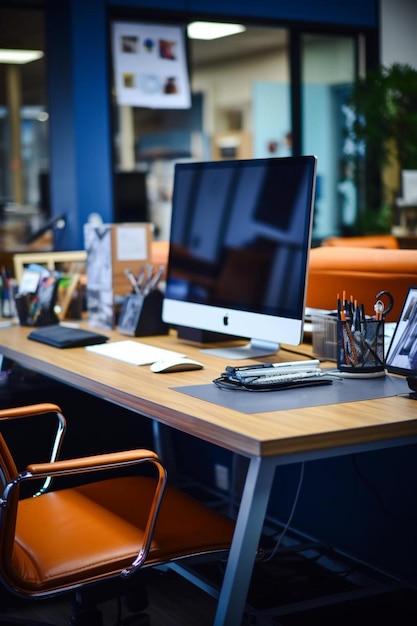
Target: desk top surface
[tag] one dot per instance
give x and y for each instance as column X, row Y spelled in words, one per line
column 258, row 434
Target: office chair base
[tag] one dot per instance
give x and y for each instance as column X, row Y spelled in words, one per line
column 85, row 615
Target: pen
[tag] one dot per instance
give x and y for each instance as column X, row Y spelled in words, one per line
column 293, row 364
column 141, row 277
column 146, row 277
column 132, row 281
column 153, row 281
column 264, row 369
column 356, row 324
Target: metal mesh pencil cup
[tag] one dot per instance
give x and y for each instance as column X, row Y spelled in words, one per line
column 360, row 348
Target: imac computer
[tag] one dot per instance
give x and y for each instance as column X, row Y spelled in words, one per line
column 239, row 248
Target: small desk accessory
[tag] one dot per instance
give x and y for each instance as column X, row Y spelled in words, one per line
column 324, row 334
column 141, row 314
column 273, row 376
column 66, row 336
column 38, row 309
column 360, row 338
column 111, row 249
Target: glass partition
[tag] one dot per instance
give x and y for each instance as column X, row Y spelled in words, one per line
column 327, row 73
column 24, row 145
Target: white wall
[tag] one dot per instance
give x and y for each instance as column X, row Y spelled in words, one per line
column 226, row 86
column 398, row 21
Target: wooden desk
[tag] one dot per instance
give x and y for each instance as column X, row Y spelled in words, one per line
column 266, row 439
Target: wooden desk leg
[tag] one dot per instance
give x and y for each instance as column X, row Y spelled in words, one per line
column 242, row 555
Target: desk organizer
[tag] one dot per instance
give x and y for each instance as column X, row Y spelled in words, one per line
column 141, row 315
column 324, row 336
column 360, row 350
column 38, row 309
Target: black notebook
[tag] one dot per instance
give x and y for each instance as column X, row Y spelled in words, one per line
column 66, row 337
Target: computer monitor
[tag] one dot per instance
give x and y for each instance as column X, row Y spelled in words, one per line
column 239, row 246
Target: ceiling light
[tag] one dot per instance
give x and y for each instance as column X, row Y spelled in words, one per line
column 19, row 56
column 212, row 30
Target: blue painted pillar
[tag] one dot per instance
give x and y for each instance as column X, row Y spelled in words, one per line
column 79, row 107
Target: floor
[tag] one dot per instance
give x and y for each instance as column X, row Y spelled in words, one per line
column 297, row 577
column 172, row 602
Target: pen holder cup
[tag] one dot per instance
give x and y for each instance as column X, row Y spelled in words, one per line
column 360, row 351
column 22, row 304
column 141, row 315
column 31, row 311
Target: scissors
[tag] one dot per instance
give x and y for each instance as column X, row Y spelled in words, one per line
column 379, row 307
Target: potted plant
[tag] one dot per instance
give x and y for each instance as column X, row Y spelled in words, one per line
column 384, row 132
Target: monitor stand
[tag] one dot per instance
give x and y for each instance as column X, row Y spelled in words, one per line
column 255, row 348
column 204, row 336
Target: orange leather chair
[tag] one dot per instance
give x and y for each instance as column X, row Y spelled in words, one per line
column 104, row 530
column 362, row 273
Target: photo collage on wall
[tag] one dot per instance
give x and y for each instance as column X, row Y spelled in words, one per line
column 150, row 65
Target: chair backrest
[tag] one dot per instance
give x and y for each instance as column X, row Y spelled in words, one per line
column 8, row 472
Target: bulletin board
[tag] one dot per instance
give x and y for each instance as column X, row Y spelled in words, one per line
column 150, row 65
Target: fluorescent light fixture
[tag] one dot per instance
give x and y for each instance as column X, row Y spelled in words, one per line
column 19, row 56
column 212, row 30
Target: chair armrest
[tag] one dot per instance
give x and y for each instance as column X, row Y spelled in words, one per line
column 29, row 410
column 32, row 410
column 99, row 462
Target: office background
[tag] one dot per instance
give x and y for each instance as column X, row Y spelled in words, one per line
column 298, row 85
column 81, row 165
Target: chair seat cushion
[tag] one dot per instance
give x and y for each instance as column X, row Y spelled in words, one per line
column 90, row 532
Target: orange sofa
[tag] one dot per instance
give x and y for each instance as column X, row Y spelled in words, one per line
column 159, row 256
column 362, row 273
column 365, row 241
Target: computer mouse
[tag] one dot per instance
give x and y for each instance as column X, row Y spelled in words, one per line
column 181, row 364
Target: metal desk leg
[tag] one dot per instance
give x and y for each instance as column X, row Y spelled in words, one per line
column 248, row 529
column 162, row 442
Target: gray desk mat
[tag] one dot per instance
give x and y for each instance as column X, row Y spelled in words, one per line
column 345, row 390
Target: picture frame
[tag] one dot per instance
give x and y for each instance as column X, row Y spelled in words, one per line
column 130, row 315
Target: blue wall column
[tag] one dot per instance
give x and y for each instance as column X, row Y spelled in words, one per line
column 79, row 107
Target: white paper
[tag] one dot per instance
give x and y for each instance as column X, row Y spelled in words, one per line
column 30, row 281
column 131, row 243
column 133, row 352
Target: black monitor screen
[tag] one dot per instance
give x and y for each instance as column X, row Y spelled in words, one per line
column 240, row 234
